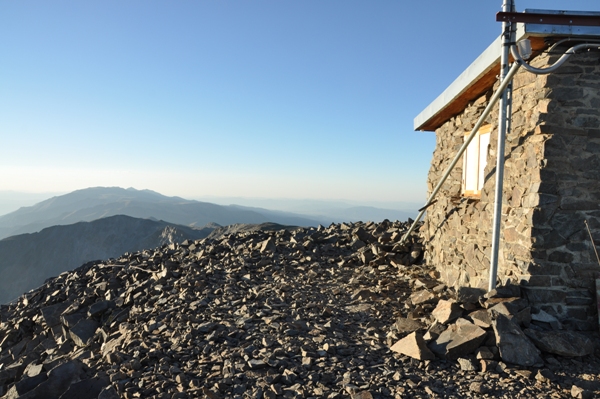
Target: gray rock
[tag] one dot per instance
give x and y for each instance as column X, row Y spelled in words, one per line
column 25, row 385
column 83, row 332
column 434, row 331
column 523, row 318
column 363, row 235
column 513, row 344
column 469, row 294
column 362, row 395
column 268, row 245
column 467, row 364
column 446, row 311
column 59, row 380
column 544, row 317
column 407, row 325
column 484, row 353
column 478, row 387
column 69, row 320
column 52, row 313
column 563, row 343
column 256, row 364
column 413, row 345
column 88, row 388
column 545, row 375
column 33, row 369
column 514, row 312
column 488, row 365
column 507, row 291
column 99, row 307
column 513, row 305
column 421, row 297
column 481, row 318
column 363, row 294
column 581, row 393
column 225, row 320
column 459, row 340
column 108, row 392
column 505, row 308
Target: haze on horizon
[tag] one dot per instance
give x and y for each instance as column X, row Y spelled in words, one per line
column 269, row 99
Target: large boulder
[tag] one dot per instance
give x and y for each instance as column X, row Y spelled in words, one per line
column 563, row 343
column 513, row 344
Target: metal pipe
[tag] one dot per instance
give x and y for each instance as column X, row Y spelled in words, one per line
column 508, row 33
column 480, row 121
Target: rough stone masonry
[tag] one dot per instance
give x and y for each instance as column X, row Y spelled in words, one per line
column 550, row 187
column 336, row 312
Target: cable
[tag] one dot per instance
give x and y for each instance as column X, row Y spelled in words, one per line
column 543, row 71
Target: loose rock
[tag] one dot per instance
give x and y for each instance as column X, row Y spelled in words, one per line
column 288, row 312
column 513, row 344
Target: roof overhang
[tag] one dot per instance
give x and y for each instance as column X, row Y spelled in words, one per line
column 481, row 75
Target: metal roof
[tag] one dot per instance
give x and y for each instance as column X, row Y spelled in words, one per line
column 481, row 74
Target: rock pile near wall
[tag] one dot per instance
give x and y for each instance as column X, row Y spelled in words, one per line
column 267, row 314
column 487, row 331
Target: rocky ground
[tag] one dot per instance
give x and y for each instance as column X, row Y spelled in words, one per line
column 334, row 312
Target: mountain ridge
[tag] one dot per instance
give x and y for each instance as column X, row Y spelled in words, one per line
column 97, row 202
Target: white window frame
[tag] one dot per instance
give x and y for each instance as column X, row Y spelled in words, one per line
column 474, row 162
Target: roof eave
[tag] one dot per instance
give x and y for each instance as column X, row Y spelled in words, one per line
column 481, row 75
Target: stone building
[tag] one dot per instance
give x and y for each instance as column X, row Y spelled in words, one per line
column 551, row 183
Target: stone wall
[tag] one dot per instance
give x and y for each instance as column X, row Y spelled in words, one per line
column 551, row 186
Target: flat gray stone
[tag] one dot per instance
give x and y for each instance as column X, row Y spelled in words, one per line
column 562, row 343
column 99, row 307
column 458, row 340
column 52, row 313
column 467, row 364
column 446, row 311
column 83, row 332
column 545, row 317
column 70, row 320
column 421, row 297
column 413, row 345
column 481, row 318
column 407, row 325
column 256, row 364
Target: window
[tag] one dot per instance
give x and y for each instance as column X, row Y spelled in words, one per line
column 474, row 161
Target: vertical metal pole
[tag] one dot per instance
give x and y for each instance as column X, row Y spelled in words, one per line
column 507, row 36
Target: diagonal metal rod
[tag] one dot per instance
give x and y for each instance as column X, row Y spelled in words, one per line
column 593, row 243
column 511, row 73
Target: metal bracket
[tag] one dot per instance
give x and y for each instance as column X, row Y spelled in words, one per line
column 552, row 19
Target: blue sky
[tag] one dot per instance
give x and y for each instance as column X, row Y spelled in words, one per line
column 255, row 98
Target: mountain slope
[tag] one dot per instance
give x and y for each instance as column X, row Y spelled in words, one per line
column 27, row 260
column 98, row 202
